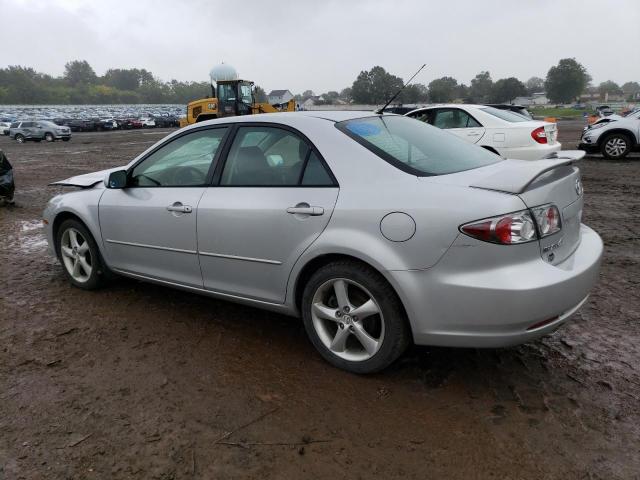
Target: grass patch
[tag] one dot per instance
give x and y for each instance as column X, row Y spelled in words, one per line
column 557, row 112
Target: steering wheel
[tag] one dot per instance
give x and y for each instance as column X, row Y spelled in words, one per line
column 187, row 175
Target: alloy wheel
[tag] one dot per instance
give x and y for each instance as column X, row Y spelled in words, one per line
column 76, row 255
column 615, row 146
column 347, row 319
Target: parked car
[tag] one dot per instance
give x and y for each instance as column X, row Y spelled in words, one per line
column 604, row 110
column 462, row 249
column 512, row 108
column 83, row 125
column 503, row 132
column 4, row 128
column 37, row 130
column 148, row 122
column 107, row 124
column 7, row 185
column 166, row 121
column 615, row 139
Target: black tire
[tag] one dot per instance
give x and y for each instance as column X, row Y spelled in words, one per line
column 49, row 137
column 615, row 146
column 99, row 272
column 397, row 335
column 20, row 138
column 66, row 139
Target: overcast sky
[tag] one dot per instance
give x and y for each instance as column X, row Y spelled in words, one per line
column 323, row 45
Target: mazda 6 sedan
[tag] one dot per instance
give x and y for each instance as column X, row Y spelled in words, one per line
column 378, row 230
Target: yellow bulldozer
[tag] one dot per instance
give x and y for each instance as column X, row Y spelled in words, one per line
column 230, row 96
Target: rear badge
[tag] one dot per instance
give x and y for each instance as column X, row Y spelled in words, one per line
column 578, row 187
column 553, row 246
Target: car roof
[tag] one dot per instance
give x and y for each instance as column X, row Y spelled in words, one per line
column 291, row 117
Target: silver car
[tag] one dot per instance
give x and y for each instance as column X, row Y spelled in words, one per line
column 38, row 130
column 614, row 138
column 377, row 230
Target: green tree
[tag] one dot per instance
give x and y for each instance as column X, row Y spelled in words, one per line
column 609, row 87
column 375, row 87
column 79, row 72
column 122, row 79
column 566, row 81
column 259, row 94
column 630, row 89
column 480, row 89
column 506, row 89
column 414, row 93
column 346, row 95
column 534, row 85
column 442, row 90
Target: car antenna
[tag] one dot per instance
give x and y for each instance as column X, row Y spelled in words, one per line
column 380, row 110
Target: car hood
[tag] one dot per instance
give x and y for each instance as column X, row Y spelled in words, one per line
column 87, row 180
column 509, row 176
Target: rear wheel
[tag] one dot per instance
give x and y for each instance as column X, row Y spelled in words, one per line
column 49, row 137
column 79, row 255
column 354, row 318
column 20, row 138
column 616, row 146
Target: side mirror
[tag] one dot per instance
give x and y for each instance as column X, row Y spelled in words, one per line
column 117, row 179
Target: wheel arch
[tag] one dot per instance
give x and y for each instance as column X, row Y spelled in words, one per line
column 66, row 214
column 314, row 264
column 614, row 131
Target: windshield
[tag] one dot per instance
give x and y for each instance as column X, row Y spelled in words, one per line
column 415, row 147
column 506, row 115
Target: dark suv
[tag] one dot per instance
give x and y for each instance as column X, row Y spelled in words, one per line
column 39, row 130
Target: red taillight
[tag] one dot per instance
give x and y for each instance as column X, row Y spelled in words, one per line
column 518, row 227
column 548, row 219
column 539, row 135
column 507, row 229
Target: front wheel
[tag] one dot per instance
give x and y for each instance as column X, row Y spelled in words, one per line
column 616, row 146
column 20, row 138
column 79, row 255
column 49, row 137
column 354, row 318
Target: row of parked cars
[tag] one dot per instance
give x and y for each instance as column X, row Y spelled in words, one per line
column 61, row 128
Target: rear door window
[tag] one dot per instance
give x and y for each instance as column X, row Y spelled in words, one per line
column 454, row 118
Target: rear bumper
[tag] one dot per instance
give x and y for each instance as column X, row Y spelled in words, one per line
column 454, row 304
column 533, row 152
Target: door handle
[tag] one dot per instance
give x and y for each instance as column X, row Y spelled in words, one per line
column 306, row 210
column 180, row 208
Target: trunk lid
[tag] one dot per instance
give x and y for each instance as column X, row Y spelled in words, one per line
column 550, row 181
column 554, row 180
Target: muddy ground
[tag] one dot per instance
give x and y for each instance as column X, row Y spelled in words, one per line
column 144, row 382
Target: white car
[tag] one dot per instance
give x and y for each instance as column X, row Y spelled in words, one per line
column 148, row 122
column 503, row 132
column 4, row 128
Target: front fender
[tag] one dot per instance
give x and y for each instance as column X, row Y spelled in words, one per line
column 80, row 203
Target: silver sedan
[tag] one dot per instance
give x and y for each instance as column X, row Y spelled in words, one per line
column 378, row 230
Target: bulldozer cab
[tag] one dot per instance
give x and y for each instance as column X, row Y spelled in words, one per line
column 235, row 97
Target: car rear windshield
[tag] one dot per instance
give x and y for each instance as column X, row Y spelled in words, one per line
column 505, row 115
column 416, row 147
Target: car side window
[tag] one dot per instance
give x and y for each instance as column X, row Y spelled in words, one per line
column 315, row 173
column 271, row 156
column 454, row 118
column 183, row 162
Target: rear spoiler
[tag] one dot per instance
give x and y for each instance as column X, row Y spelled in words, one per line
column 515, row 176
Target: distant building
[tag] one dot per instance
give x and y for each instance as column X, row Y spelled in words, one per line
column 535, row 99
column 279, row 96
